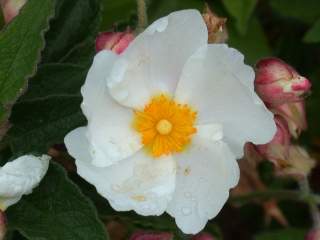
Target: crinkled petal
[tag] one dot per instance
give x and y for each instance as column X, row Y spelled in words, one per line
column 154, row 60
column 206, row 172
column 20, row 176
column 110, row 131
column 217, row 83
column 138, row 183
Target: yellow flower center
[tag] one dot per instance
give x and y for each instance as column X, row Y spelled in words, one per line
column 165, row 126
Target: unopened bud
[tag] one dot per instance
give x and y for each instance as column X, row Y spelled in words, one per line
column 277, row 82
column 295, row 115
column 151, row 236
column 313, row 235
column 203, row 236
column 11, row 8
column 3, row 223
column 114, row 41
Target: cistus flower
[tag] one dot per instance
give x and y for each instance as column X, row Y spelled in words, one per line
column 11, row 8
column 114, row 41
column 167, row 120
column 277, row 82
column 295, row 115
column 278, row 148
column 151, row 236
column 19, row 177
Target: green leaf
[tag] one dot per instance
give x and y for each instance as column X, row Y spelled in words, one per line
column 253, row 44
column 56, row 210
column 305, row 10
column 241, row 11
column 49, row 110
column 20, row 45
column 75, row 22
column 313, row 35
column 1, row 19
column 286, row 234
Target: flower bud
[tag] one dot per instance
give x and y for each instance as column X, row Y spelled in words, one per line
column 277, row 82
column 114, row 41
column 295, row 115
column 313, row 235
column 3, row 224
column 11, row 8
column 298, row 164
column 217, row 30
column 203, row 236
column 279, row 146
column 151, row 236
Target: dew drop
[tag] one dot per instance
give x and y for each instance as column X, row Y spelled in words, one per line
column 186, row 211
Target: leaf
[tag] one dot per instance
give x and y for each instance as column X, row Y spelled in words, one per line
column 253, row 44
column 313, row 34
column 56, row 210
column 20, row 45
column 49, row 110
column 75, row 22
column 286, row 234
column 305, row 10
column 241, row 11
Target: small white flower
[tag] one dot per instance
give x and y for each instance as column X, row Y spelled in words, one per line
column 19, row 177
column 167, row 120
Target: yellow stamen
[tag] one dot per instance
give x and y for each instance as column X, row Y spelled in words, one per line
column 165, row 126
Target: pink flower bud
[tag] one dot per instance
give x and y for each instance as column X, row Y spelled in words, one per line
column 11, row 8
column 203, row 236
column 313, row 235
column 151, row 236
column 3, row 224
column 279, row 146
column 114, row 41
column 277, row 82
column 295, row 116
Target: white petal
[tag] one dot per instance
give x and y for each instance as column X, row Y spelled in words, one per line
column 153, row 62
column 139, row 183
column 20, row 176
column 217, row 83
column 110, row 131
column 205, row 174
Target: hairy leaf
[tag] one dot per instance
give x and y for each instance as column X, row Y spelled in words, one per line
column 56, row 210
column 20, row 45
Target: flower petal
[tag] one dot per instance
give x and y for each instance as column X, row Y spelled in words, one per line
column 154, row 60
column 139, row 183
column 205, row 174
column 217, row 83
column 110, row 131
column 20, row 176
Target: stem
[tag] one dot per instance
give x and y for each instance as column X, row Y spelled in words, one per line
column 278, row 194
column 313, row 205
column 142, row 15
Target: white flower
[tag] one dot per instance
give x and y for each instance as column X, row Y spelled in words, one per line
column 19, row 177
column 166, row 121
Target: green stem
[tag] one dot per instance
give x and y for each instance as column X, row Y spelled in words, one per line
column 278, row 194
column 313, row 205
column 142, row 15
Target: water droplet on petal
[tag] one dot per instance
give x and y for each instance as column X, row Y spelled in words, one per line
column 186, row 211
